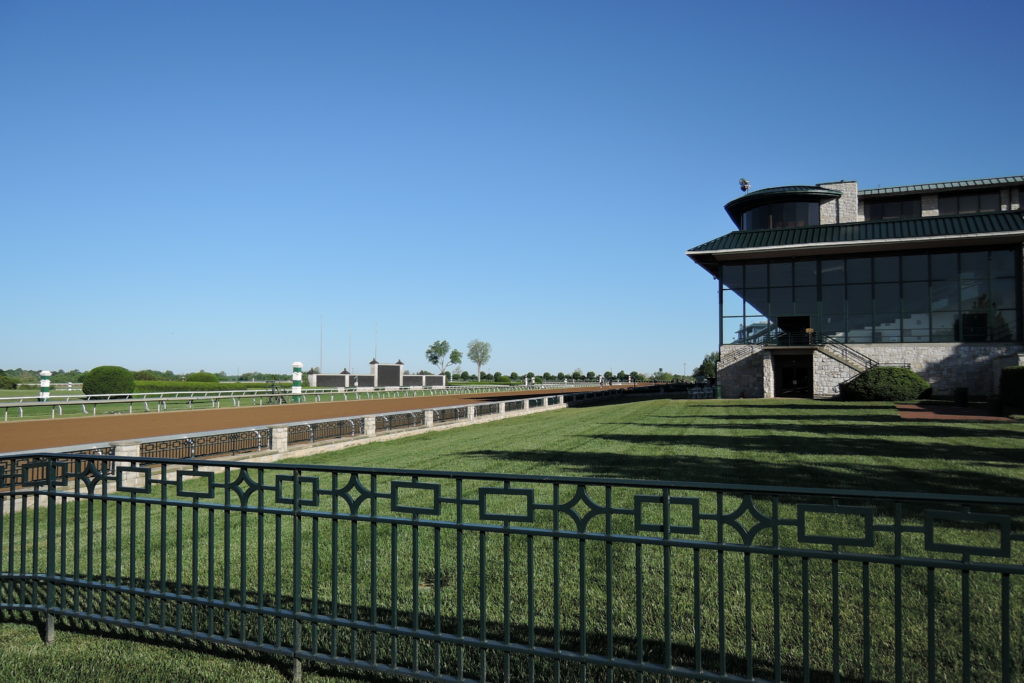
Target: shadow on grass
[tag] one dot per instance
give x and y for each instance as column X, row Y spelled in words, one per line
column 783, row 434
column 412, row 649
column 749, row 470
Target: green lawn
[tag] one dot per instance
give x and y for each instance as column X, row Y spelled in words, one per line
column 780, row 443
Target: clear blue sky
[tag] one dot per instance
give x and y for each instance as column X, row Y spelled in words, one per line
column 190, row 185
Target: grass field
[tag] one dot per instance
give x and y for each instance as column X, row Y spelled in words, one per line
column 781, row 443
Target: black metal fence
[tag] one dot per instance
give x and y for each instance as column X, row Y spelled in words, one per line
column 462, row 576
column 485, row 409
column 392, row 421
column 207, row 445
column 320, row 431
column 450, row 414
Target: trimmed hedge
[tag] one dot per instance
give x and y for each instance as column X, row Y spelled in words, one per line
column 202, row 376
column 108, row 379
column 884, row 383
column 1011, row 388
column 167, row 385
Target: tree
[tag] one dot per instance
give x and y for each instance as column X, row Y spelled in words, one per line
column 621, row 375
column 591, row 375
column 607, row 374
column 479, row 352
column 438, row 354
column 577, row 374
column 7, row 382
column 709, row 366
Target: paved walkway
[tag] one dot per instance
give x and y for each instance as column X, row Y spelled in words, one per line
column 910, row 411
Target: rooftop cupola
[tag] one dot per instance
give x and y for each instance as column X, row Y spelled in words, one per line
column 792, row 206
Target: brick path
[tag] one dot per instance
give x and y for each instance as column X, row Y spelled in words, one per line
column 910, row 411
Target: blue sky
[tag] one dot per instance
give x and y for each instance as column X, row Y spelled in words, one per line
column 190, row 185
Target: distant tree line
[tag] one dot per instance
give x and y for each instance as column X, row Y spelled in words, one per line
column 10, row 378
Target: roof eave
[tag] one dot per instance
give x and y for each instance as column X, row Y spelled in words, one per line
column 901, row 244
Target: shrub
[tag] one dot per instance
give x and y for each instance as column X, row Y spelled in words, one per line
column 108, row 379
column 1011, row 388
column 7, row 382
column 885, row 384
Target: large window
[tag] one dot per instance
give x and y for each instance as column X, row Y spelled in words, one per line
column 968, row 202
column 970, row 296
column 782, row 215
column 891, row 209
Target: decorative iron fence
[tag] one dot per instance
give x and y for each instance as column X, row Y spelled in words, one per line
column 450, row 414
column 207, row 445
column 514, row 405
column 392, row 421
column 462, row 576
column 485, row 409
column 320, row 431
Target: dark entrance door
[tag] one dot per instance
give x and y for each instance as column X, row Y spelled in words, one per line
column 794, row 376
column 794, row 330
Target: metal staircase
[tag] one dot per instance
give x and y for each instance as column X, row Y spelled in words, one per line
column 851, row 358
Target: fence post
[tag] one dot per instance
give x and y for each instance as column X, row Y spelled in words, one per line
column 370, row 426
column 44, row 385
column 279, row 438
column 296, row 381
column 428, row 418
column 501, row 407
column 49, row 631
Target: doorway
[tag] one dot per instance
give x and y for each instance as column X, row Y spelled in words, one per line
column 794, row 330
column 794, row 376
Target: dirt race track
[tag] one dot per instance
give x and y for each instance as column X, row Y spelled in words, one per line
column 71, row 431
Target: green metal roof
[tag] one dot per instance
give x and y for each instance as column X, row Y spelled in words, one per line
column 937, row 187
column 914, row 228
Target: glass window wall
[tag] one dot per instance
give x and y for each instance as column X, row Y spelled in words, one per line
column 968, row 203
column 971, row 296
column 781, row 215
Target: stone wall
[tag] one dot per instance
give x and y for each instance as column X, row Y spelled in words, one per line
column 742, row 378
column 946, row 366
column 829, row 374
column 844, row 209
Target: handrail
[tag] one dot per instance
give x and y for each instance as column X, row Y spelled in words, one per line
column 849, row 353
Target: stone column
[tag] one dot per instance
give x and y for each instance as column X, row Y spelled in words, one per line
column 126, row 449
column 370, row 426
column 428, row 418
column 279, row 438
column 501, row 407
